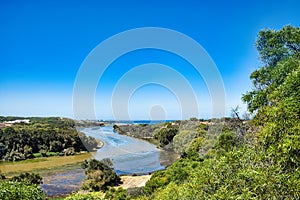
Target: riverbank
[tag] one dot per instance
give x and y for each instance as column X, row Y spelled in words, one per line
column 100, row 143
column 41, row 164
column 145, row 132
column 62, row 175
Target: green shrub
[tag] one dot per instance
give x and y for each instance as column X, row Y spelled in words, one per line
column 116, row 194
column 86, row 196
column 30, row 178
column 166, row 134
column 99, row 176
column 20, row 190
column 227, row 141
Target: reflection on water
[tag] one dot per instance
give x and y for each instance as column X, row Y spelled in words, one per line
column 129, row 155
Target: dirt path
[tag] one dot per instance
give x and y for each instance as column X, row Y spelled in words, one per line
column 134, row 181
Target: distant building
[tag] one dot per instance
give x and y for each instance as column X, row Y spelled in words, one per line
column 10, row 123
column 18, row 121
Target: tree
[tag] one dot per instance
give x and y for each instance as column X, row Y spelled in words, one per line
column 41, row 135
column 280, row 134
column 193, row 151
column 266, row 168
column 166, row 134
column 227, row 141
column 99, row 176
column 55, row 146
column 276, row 95
column 275, row 49
column 183, row 139
column 30, row 178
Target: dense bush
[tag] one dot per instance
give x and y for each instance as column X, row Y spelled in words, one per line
column 243, row 165
column 20, row 190
column 116, row 194
column 99, row 176
column 138, row 130
column 177, row 173
column 110, row 194
column 30, row 178
column 86, row 196
column 42, row 135
column 227, row 141
column 243, row 173
column 183, row 139
column 166, row 134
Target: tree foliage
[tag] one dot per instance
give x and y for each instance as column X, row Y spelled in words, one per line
column 99, row 176
column 86, row 196
column 265, row 167
column 20, row 190
column 183, row 139
column 280, row 134
column 279, row 52
column 116, row 194
column 279, row 84
column 30, row 178
column 166, row 134
column 42, row 135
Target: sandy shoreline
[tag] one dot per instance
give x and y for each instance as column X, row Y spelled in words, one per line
column 130, row 181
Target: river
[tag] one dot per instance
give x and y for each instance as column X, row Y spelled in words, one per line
column 129, row 156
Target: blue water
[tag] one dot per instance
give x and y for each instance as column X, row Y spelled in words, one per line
column 129, row 155
column 137, row 121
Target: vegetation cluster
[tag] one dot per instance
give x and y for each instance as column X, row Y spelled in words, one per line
column 42, row 137
column 230, row 158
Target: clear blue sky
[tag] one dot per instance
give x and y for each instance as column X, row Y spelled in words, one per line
column 43, row 43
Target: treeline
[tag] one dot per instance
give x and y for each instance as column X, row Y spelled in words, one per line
column 42, row 137
column 177, row 135
column 256, row 160
column 137, row 130
column 56, row 121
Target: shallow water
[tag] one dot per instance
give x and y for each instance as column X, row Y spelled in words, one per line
column 62, row 183
column 129, row 155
